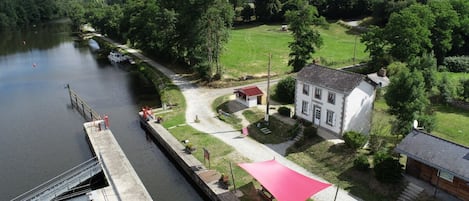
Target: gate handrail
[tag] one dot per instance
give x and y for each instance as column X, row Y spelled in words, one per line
column 63, row 176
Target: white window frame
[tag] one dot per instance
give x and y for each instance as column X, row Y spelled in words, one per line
column 318, row 93
column 305, row 89
column 330, row 116
column 305, row 107
column 445, row 175
column 331, row 98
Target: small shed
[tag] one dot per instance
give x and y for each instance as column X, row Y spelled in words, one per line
column 440, row 162
column 249, row 96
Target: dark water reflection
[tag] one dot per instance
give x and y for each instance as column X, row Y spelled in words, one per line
column 41, row 137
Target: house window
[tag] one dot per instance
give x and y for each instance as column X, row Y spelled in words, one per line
column 304, row 107
column 445, row 175
column 317, row 93
column 330, row 118
column 305, row 89
column 331, row 98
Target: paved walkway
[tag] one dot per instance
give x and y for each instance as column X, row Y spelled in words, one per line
column 124, row 183
column 199, row 100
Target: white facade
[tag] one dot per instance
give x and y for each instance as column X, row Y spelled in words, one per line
column 333, row 110
column 249, row 101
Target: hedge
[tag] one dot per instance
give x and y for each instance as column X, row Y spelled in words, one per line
column 457, row 63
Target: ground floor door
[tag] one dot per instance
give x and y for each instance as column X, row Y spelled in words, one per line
column 317, row 115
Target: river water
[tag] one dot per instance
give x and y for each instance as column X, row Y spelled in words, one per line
column 41, row 136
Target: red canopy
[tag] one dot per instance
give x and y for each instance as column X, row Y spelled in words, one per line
column 282, row 182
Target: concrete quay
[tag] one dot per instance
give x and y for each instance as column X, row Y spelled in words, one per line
column 206, row 180
column 124, row 183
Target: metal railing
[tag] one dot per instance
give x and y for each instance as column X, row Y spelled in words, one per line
column 63, row 182
column 82, row 107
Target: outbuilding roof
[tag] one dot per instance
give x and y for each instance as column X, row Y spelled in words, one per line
column 436, row 152
column 338, row 80
column 250, row 91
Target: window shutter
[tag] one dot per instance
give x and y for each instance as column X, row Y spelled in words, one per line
column 334, row 119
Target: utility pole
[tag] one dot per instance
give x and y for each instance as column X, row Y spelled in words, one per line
column 268, row 88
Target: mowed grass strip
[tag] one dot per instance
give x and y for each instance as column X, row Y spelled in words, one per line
column 452, row 124
column 247, row 51
column 221, row 154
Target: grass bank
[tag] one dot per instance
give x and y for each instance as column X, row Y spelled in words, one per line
column 221, row 154
column 246, row 53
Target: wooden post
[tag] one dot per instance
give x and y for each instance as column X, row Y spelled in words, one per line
column 336, row 192
column 70, row 94
column 437, row 182
column 266, row 118
column 232, row 178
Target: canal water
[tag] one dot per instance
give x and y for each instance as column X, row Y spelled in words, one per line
column 41, row 136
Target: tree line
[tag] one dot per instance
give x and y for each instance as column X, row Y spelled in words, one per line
column 14, row 13
column 191, row 33
column 419, row 39
column 438, row 27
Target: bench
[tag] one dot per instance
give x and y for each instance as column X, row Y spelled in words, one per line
column 265, row 194
column 265, row 131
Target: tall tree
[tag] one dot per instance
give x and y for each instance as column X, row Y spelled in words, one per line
column 216, row 23
column 267, row 10
column 460, row 44
column 446, row 20
column 427, row 65
column 408, row 32
column 376, row 46
column 407, row 99
column 305, row 38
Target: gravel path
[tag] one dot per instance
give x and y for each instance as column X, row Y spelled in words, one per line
column 199, row 100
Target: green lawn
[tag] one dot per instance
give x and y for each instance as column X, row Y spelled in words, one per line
column 452, row 124
column 247, row 52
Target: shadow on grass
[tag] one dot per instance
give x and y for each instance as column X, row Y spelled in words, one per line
column 303, row 145
column 364, row 185
column 450, row 110
column 249, row 193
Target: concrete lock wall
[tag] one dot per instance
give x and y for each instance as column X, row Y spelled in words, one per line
column 187, row 162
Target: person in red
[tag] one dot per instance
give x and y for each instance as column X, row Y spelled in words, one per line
column 144, row 111
column 106, row 121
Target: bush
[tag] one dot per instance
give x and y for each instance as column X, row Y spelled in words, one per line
column 310, row 132
column 361, row 163
column 457, row 63
column 354, row 139
column 285, row 91
column 388, row 170
column 284, row 111
column 465, row 88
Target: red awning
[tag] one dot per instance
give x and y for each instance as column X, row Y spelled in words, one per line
column 250, row 91
column 282, row 182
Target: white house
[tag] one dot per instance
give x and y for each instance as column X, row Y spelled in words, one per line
column 249, row 96
column 335, row 100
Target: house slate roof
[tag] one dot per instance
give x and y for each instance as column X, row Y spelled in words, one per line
column 436, row 152
column 250, row 91
column 338, row 80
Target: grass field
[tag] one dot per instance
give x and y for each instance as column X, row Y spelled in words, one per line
column 247, row 52
column 451, row 122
